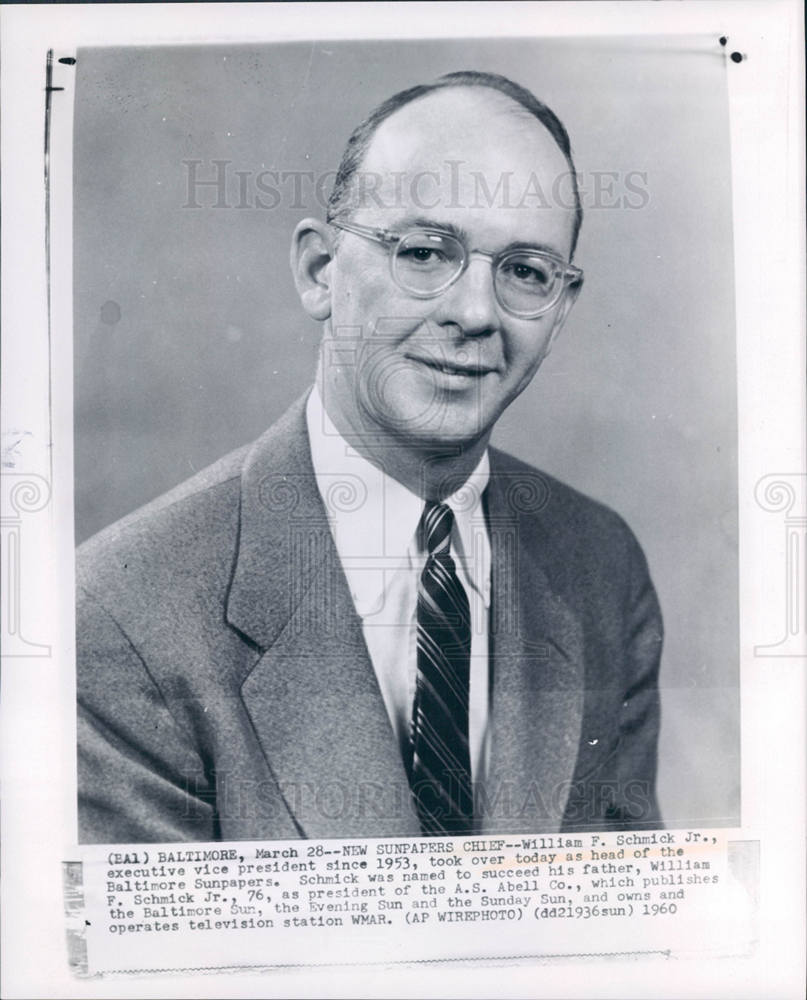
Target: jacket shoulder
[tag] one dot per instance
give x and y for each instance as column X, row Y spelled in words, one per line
column 529, row 490
column 574, row 532
column 173, row 534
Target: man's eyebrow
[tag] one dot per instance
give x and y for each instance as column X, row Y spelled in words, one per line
column 422, row 222
column 546, row 248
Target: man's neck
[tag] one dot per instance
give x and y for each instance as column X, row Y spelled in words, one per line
column 431, row 471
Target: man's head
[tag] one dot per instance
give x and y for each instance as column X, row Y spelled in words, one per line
column 475, row 163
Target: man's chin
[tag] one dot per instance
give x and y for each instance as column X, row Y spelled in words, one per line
column 447, row 438
column 429, row 425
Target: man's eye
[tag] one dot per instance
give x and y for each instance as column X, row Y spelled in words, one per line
column 531, row 273
column 422, row 255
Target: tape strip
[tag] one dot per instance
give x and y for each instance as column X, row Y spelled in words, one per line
column 73, row 890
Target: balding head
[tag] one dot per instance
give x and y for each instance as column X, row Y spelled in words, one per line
column 501, row 95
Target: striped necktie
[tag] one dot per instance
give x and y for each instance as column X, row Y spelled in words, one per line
column 441, row 762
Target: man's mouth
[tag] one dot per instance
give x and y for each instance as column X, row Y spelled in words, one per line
column 452, row 368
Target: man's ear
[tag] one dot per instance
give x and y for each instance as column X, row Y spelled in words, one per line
column 566, row 303
column 311, row 253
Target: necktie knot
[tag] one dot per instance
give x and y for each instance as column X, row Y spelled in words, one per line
column 435, row 528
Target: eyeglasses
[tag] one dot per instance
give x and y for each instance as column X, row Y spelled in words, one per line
column 425, row 262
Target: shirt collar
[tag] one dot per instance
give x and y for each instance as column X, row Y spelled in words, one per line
column 374, row 518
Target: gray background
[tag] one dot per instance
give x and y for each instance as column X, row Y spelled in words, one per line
column 190, row 340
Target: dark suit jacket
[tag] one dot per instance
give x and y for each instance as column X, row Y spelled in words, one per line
column 226, row 692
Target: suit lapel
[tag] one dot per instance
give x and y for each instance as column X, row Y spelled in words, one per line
column 313, row 697
column 537, row 672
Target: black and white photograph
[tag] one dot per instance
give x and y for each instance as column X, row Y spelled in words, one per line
column 403, row 499
column 440, row 582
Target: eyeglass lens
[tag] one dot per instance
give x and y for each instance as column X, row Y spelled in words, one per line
column 425, row 263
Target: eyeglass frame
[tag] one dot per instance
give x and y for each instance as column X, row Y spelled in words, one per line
column 570, row 273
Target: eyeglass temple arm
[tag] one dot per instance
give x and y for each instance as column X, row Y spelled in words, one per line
column 379, row 235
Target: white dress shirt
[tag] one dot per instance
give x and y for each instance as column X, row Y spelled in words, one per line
column 373, row 520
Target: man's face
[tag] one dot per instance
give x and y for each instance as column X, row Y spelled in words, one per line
column 438, row 372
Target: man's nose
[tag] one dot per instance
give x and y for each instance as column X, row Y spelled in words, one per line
column 470, row 302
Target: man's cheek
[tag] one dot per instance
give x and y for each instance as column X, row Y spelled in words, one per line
column 525, row 362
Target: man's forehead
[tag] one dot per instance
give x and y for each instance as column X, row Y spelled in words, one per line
column 472, row 156
column 463, row 129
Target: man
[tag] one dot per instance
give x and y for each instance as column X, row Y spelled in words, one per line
column 371, row 623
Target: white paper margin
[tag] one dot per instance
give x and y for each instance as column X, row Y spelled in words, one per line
column 767, row 114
